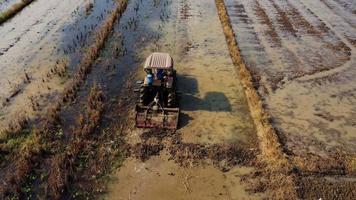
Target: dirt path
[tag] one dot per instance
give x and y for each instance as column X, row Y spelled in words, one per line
column 214, row 111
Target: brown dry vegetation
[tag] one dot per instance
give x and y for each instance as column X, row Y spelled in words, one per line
column 13, row 10
column 278, row 164
column 270, row 146
column 223, row 156
column 62, row 165
column 284, row 170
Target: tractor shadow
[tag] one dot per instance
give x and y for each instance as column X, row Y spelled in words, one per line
column 213, row 101
column 188, row 90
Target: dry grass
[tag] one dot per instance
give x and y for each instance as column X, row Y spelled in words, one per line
column 13, row 10
column 280, row 167
column 10, row 186
column 63, row 164
column 271, row 149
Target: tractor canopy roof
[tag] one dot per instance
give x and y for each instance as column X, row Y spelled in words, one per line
column 159, row 61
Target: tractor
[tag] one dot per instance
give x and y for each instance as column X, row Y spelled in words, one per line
column 157, row 105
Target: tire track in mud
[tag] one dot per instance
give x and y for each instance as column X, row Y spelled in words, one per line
column 287, row 58
column 306, row 37
column 333, row 79
column 272, row 153
column 321, row 33
column 255, row 51
column 155, row 154
column 296, row 60
column 335, row 8
column 310, row 168
column 328, row 34
column 290, row 53
column 335, row 21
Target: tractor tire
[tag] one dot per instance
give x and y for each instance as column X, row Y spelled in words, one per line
column 143, row 96
column 171, row 100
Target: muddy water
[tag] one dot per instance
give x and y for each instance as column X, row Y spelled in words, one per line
column 303, row 54
column 6, row 4
column 37, row 39
column 158, row 178
column 214, row 109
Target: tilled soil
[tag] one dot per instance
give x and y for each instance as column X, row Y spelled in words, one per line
column 301, row 53
column 332, row 187
column 223, row 156
column 301, row 84
column 216, row 141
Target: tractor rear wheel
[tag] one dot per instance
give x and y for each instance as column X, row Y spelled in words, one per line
column 143, row 95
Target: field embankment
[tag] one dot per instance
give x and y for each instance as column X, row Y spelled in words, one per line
column 272, row 153
column 255, row 36
column 13, row 10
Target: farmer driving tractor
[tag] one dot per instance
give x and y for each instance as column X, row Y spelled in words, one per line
column 157, row 104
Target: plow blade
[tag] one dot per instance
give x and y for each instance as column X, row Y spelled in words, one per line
column 163, row 118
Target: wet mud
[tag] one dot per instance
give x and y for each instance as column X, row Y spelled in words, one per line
column 88, row 135
column 46, row 37
column 302, row 60
column 264, row 27
column 332, row 187
column 298, row 60
column 216, row 137
column 6, row 4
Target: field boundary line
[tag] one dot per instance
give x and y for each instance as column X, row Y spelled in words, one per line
column 13, row 10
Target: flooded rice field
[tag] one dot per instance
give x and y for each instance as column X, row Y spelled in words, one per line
column 303, row 55
column 34, row 46
column 68, row 71
column 6, row 4
column 216, row 136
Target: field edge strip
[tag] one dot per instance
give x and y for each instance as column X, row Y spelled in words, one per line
column 269, row 142
column 13, row 10
column 278, row 163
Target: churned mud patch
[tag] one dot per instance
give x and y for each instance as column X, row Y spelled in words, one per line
column 145, row 151
column 324, row 187
column 158, row 178
column 224, row 156
column 162, row 166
